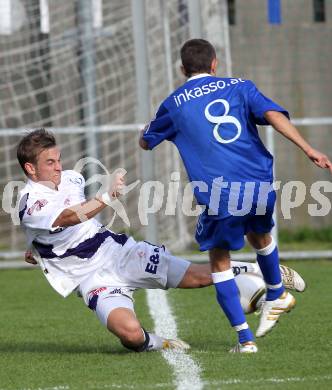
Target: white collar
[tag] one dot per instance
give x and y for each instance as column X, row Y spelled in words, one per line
column 41, row 186
column 198, row 76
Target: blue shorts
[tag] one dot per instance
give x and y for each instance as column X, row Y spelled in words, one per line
column 228, row 232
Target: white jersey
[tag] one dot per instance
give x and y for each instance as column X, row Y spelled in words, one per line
column 67, row 255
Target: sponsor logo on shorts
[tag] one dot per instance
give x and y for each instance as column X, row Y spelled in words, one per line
column 152, row 265
column 97, row 291
column 199, row 227
column 116, row 291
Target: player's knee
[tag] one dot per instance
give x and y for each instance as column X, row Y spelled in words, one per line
column 259, row 240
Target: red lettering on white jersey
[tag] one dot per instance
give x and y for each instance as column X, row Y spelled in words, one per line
column 37, row 206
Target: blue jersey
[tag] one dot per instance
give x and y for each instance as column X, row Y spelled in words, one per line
column 212, row 121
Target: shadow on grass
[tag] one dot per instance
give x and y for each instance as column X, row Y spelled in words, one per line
column 49, row 347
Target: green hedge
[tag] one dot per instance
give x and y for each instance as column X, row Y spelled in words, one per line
column 306, row 234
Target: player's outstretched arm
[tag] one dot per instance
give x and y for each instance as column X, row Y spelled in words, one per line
column 285, row 127
column 79, row 213
column 86, row 210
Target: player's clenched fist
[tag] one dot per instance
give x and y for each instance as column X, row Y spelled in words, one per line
column 117, row 184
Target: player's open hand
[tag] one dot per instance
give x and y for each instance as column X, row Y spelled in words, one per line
column 320, row 159
column 28, row 257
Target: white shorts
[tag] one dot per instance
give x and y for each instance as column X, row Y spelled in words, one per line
column 107, row 303
column 143, row 266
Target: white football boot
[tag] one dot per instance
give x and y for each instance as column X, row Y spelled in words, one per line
column 271, row 311
column 291, row 279
column 158, row 343
column 248, row 347
column 175, row 344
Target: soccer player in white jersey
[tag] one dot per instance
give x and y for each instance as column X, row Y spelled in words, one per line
column 212, row 121
column 76, row 252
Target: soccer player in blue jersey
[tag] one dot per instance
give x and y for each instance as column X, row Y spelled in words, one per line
column 212, row 121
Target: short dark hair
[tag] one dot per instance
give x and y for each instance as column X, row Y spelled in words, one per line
column 32, row 145
column 197, row 56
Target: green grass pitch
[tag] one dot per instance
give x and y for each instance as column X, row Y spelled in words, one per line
column 50, row 343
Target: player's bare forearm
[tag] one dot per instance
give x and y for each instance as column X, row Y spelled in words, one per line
column 86, row 210
column 79, row 213
column 288, row 130
column 285, row 127
column 142, row 143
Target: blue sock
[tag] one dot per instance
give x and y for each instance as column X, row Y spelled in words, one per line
column 229, row 300
column 268, row 260
column 245, row 334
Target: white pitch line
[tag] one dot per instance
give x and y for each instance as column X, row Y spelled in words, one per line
column 187, row 372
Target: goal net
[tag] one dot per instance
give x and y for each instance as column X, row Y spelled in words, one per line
column 69, row 66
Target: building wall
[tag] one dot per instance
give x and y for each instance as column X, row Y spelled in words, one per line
column 291, row 63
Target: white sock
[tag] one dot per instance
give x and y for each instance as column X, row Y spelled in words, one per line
column 156, row 342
